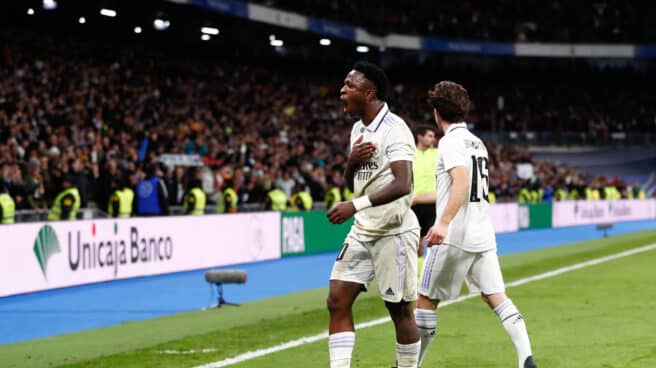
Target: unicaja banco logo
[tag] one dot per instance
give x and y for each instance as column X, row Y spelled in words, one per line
column 45, row 245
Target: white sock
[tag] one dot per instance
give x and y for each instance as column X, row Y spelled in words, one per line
column 340, row 347
column 514, row 324
column 427, row 324
column 407, row 355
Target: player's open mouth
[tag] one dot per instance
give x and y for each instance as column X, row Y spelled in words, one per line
column 344, row 103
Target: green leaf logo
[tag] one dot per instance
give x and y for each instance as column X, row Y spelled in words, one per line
column 45, row 245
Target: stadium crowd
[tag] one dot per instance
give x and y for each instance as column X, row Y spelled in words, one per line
column 99, row 118
column 609, row 21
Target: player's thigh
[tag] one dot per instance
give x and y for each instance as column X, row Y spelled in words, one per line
column 395, row 266
column 444, row 271
column 485, row 274
column 354, row 263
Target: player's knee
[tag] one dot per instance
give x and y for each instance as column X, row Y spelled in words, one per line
column 336, row 304
column 423, row 302
column 493, row 300
column 400, row 312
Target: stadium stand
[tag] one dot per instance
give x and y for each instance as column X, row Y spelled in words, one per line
column 99, row 111
column 514, row 20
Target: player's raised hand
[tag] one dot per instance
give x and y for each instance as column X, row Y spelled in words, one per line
column 437, row 233
column 361, row 151
column 341, row 212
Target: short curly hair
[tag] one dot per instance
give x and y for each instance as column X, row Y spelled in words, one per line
column 451, row 100
column 376, row 75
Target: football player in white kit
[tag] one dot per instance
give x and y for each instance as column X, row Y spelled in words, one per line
column 462, row 240
column 383, row 240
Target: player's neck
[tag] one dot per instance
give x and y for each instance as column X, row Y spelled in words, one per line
column 445, row 125
column 370, row 112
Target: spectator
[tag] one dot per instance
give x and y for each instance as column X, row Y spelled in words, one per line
column 194, row 199
column 122, row 198
column 7, row 206
column 286, row 183
column 151, row 194
column 67, row 203
column 300, row 199
column 269, row 126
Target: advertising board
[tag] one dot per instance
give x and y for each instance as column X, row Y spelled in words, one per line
column 41, row 256
column 571, row 213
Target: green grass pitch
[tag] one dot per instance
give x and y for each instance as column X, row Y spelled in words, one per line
column 599, row 316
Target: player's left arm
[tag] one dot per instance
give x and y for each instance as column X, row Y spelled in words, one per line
column 401, row 185
column 400, row 150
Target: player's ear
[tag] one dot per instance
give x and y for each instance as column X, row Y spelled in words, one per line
column 370, row 95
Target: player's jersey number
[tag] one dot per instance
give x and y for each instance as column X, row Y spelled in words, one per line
column 480, row 181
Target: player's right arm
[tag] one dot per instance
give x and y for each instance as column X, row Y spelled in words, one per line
column 457, row 195
column 455, row 163
column 359, row 152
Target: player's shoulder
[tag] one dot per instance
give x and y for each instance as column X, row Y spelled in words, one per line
column 394, row 123
column 473, row 136
column 450, row 140
column 474, row 141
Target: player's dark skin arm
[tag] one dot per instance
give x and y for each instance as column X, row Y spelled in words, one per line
column 397, row 188
column 359, row 153
column 400, row 186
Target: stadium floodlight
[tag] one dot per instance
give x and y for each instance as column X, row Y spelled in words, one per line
column 324, row 42
column 362, row 49
column 137, row 30
column 205, row 37
column 276, row 43
column 210, row 30
column 82, row 20
column 49, row 4
column 108, row 12
column 161, row 24
column 272, row 37
column 30, row 11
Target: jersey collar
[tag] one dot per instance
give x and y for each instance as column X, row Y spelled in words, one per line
column 455, row 126
column 375, row 124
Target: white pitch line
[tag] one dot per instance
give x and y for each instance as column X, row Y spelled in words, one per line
column 324, row 335
column 185, row 352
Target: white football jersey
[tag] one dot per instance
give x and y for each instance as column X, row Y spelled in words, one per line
column 394, row 142
column 471, row 228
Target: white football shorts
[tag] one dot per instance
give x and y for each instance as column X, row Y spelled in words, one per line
column 391, row 260
column 446, row 267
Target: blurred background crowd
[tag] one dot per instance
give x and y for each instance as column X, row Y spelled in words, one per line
column 101, row 116
column 507, row 20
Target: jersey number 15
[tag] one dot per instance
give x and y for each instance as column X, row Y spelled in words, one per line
column 479, row 173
